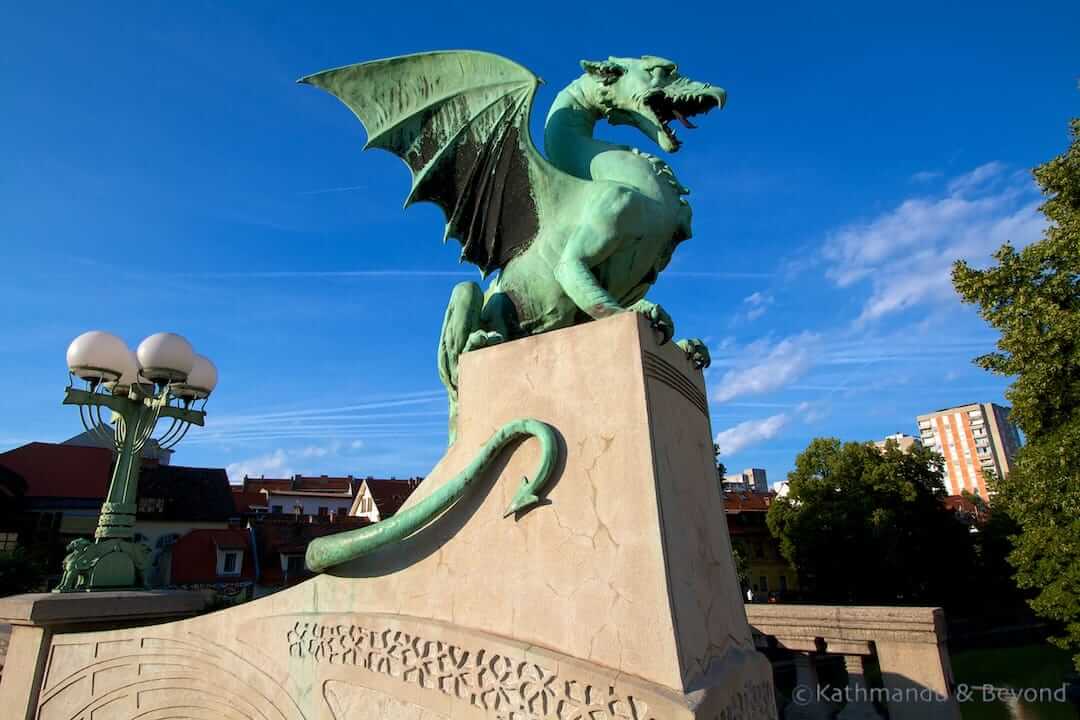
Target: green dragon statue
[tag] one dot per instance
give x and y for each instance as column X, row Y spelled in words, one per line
column 579, row 235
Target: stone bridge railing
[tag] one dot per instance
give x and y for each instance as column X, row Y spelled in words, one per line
column 895, row 657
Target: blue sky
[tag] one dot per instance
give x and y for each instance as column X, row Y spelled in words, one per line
column 160, row 170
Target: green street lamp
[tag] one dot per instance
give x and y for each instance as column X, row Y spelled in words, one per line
column 164, row 378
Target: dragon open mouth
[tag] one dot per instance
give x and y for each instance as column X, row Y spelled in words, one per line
column 682, row 106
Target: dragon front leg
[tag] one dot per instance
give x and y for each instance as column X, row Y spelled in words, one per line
column 326, row 552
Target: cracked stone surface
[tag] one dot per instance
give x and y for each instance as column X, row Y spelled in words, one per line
column 626, row 564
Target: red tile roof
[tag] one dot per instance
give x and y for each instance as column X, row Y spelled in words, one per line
column 322, row 482
column 735, row 502
column 54, row 470
column 390, row 495
column 245, row 500
column 253, row 484
column 309, row 483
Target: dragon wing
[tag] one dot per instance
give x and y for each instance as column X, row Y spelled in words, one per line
column 460, row 121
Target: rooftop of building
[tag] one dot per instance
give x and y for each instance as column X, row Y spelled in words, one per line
column 390, row 494
column 736, row 502
column 309, row 483
column 58, row 472
column 53, row 470
column 175, row 493
column 963, row 408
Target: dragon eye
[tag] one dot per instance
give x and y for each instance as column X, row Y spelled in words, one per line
column 661, row 72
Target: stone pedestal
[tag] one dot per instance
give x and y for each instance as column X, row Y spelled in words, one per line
column 615, row 598
column 38, row 618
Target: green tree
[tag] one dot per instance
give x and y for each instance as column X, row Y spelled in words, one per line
column 1032, row 297
column 741, row 555
column 866, row 526
column 721, row 469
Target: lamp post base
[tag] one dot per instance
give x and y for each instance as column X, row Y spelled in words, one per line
column 108, row 564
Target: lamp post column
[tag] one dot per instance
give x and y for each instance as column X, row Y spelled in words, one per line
column 118, row 511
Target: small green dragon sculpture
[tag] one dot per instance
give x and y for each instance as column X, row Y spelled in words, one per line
column 579, row 235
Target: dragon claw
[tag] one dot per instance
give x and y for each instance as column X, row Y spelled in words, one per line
column 658, row 318
column 482, row 339
column 696, row 351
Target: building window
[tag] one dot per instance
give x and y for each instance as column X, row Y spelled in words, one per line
column 275, row 508
column 763, row 583
column 151, row 505
column 323, row 510
column 783, row 583
column 229, row 562
column 8, row 541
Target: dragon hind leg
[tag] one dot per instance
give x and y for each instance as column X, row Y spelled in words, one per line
column 461, row 321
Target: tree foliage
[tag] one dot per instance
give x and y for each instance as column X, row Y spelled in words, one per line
column 1032, row 297
column 741, row 555
column 864, row 525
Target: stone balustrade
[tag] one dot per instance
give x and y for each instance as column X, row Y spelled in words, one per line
column 904, row 645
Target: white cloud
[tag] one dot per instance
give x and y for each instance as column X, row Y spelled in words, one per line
column 907, row 253
column 972, row 180
column 281, row 462
column 275, row 464
column 757, row 304
column 749, row 433
column 759, row 369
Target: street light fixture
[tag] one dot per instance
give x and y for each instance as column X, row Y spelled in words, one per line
column 163, row 378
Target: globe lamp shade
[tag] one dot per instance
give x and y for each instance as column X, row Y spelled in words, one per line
column 165, row 358
column 201, row 381
column 98, row 355
column 128, row 377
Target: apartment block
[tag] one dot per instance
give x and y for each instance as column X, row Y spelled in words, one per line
column 751, row 480
column 973, row 439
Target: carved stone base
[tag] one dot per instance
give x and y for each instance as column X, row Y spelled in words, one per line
column 615, row 598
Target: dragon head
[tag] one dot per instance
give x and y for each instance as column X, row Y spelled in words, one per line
column 649, row 93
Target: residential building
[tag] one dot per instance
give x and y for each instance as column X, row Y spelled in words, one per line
column 65, row 484
column 238, row 541
column 280, row 543
column 378, row 498
column 298, row 495
column 771, row 576
column 973, row 439
column 749, row 480
column 903, row 441
column 221, row 560
column 174, row 501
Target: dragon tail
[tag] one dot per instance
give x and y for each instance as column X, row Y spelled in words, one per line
column 326, row 552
